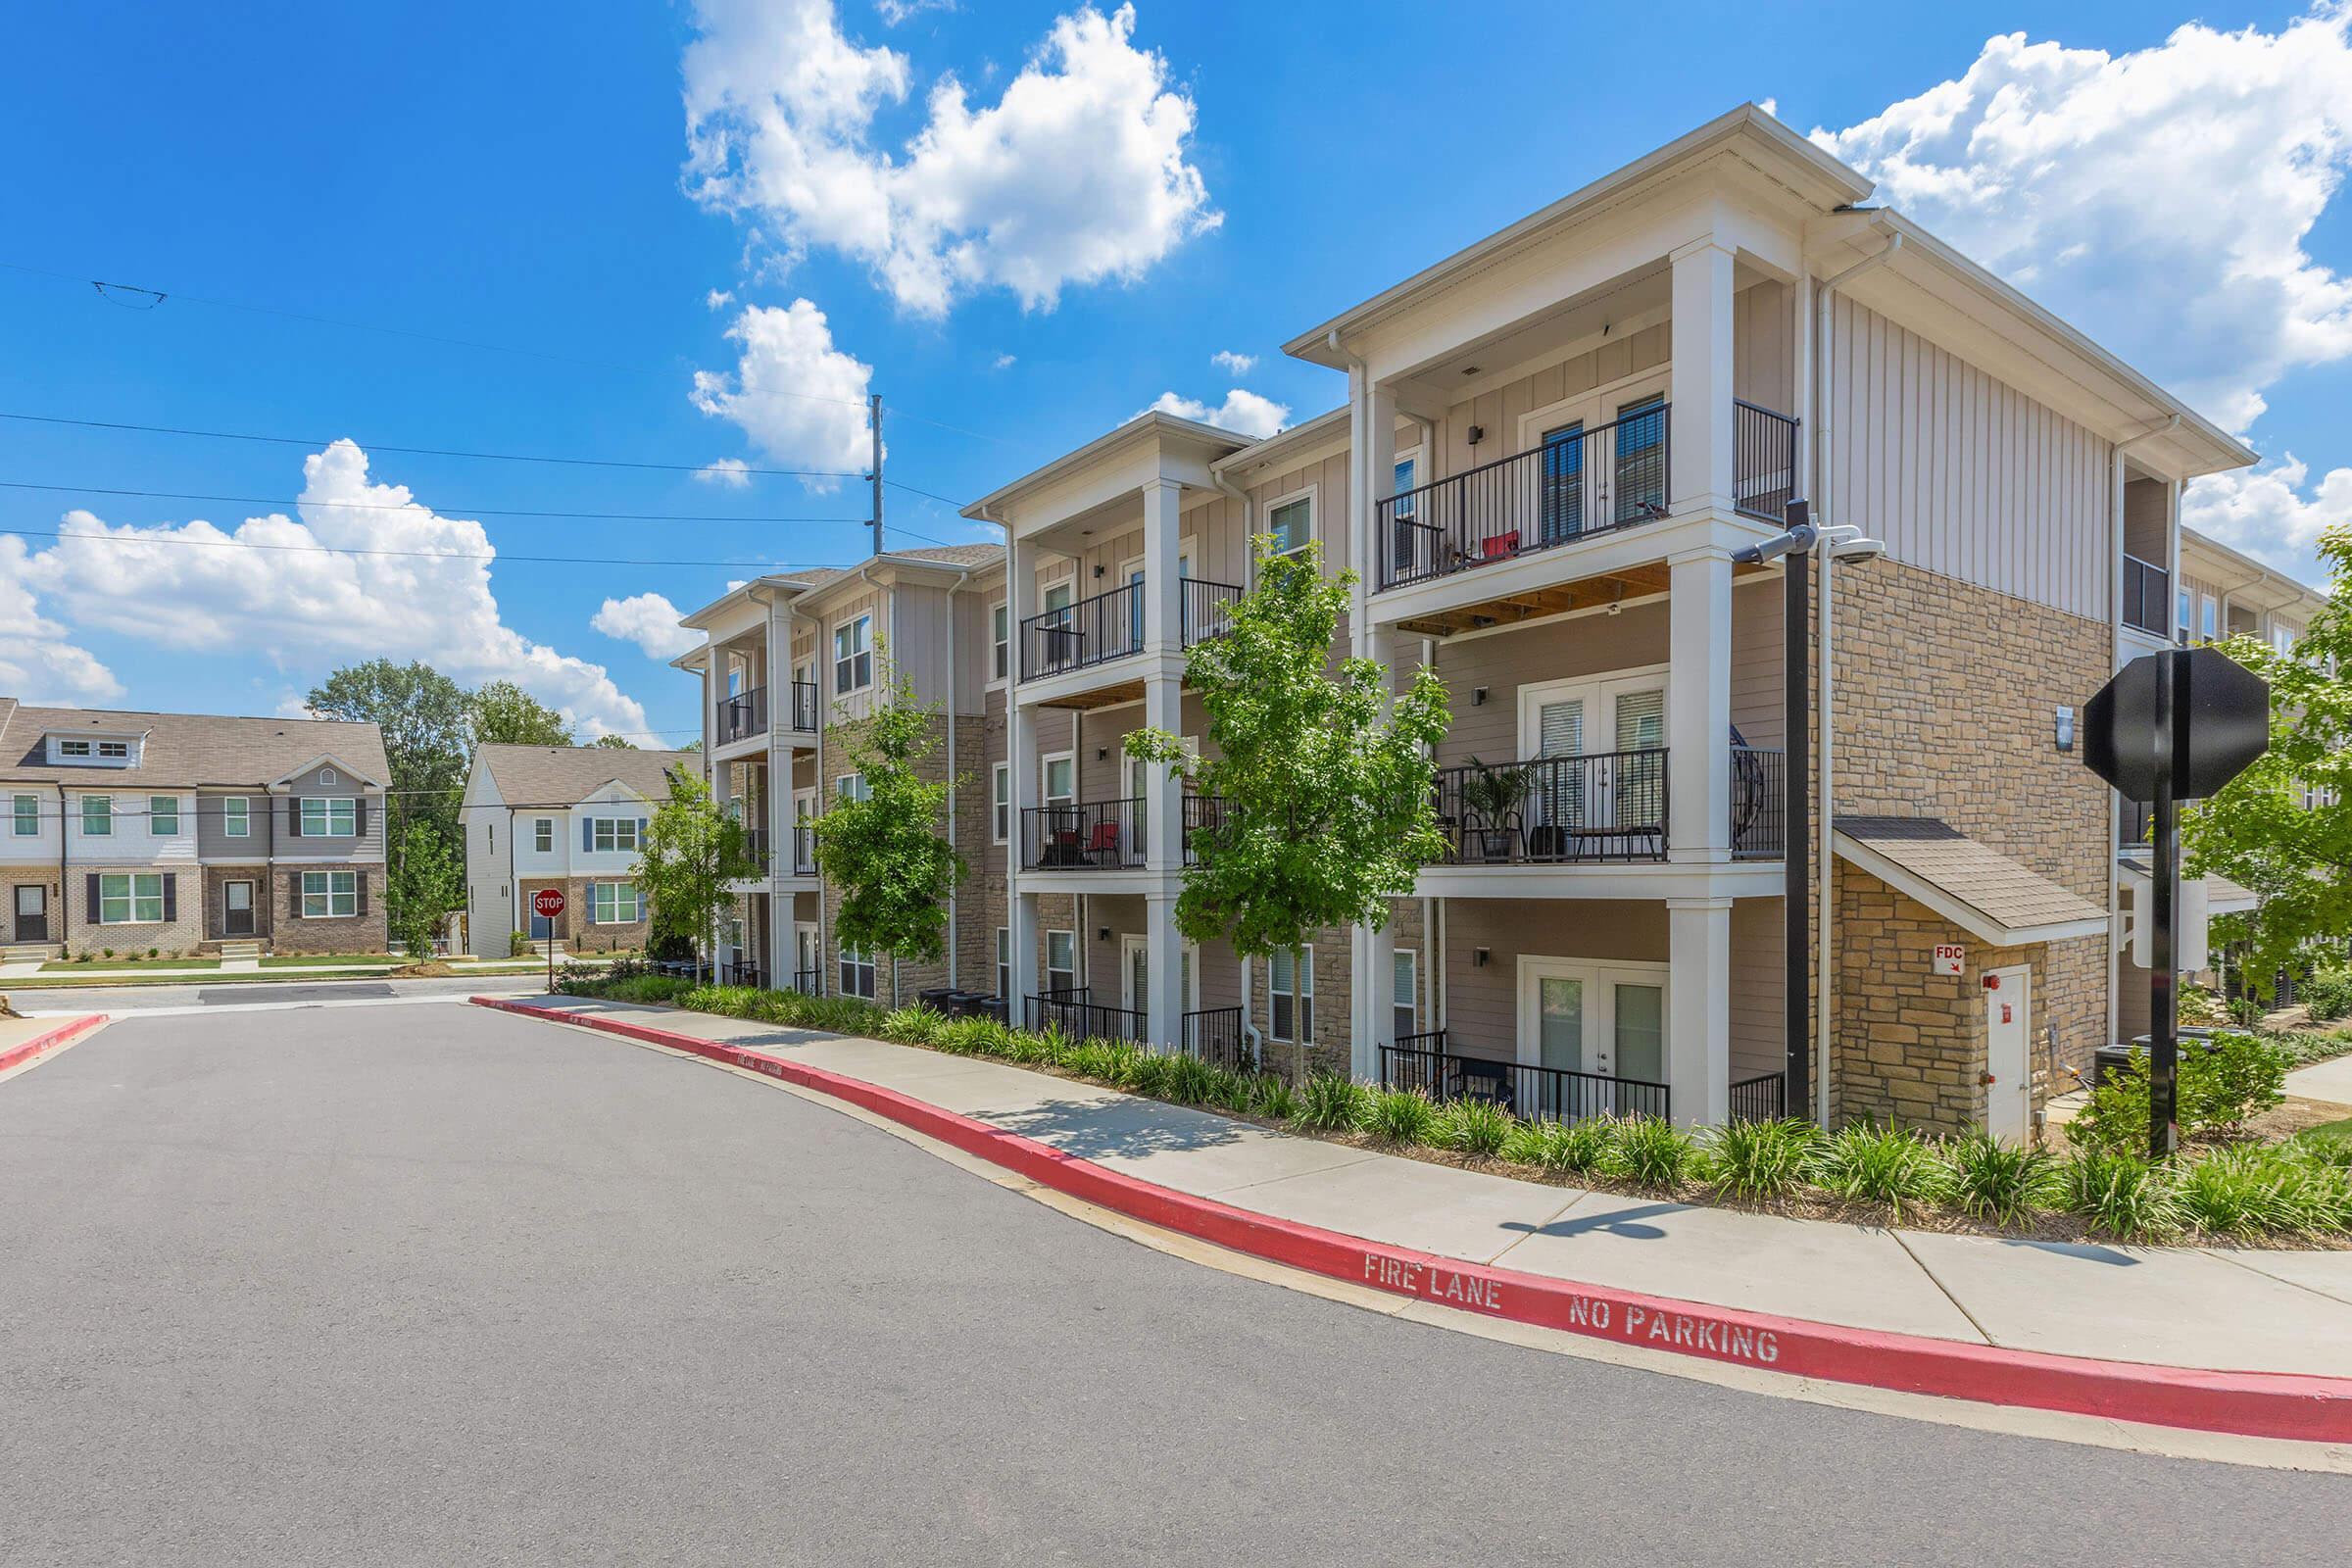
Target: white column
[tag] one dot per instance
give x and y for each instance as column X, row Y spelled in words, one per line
column 1163, row 528
column 1700, row 422
column 1372, row 955
column 1020, row 756
column 1020, row 917
column 1373, row 474
column 1698, row 707
column 1698, row 1009
column 1164, row 1000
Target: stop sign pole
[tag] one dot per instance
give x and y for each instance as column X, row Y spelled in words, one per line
column 2164, row 990
column 547, row 903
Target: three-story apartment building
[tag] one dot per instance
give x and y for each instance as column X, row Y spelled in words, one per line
column 569, row 817
column 185, row 831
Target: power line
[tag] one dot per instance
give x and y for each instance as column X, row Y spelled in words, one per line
column 425, row 452
column 429, row 555
column 925, row 494
column 438, row 510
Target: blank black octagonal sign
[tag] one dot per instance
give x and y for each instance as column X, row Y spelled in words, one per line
column 2221, row 722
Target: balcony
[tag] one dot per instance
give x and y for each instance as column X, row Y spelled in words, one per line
column 1111, row 625
column 1104, row 835
column 1423, row 1061
column 1579, row 485
column 804, row 849
column 1600, row 808
column 743, row 715
column 2147, row 595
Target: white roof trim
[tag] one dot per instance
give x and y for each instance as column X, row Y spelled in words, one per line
column 329, row 759
column 1969, row 918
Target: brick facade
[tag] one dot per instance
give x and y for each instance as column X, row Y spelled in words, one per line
column 182, row 933
column 364, row 932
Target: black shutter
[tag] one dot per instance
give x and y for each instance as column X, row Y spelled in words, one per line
column 293, row 816
column 360, row 881
column 358, row 816
column 170, row 895
column 293, row 894
column 89, row 911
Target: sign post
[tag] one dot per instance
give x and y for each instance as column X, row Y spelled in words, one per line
column 2170, row 727
column 548, row 904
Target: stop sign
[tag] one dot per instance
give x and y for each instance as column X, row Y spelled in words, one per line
column 2221, row 722
column 547, row 902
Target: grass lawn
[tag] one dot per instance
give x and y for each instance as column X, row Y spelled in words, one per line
column 317, row 961
column 94, row 965
column 2338, row 1133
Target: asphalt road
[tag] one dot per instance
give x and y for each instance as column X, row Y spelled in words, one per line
column 120, row 1001
column 429, row 1284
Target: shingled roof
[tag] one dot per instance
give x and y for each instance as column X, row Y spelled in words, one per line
column 185, row 750
column 1982, row 890
column 566, row 775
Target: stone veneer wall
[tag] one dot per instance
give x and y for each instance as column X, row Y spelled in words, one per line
column 1946, row 693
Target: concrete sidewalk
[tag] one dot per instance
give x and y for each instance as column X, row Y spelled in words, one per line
column 2221, row 1309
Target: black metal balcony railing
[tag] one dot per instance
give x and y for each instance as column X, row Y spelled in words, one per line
column 1204, row 814
column 743, row 715
column 2147, row 595
column 1762, row 1097
column 756, row 843
column 1090, row 836
column 740, row 973
column 1206, row 609
column 1597, row 807
column 804, row 707
column 809, row 982
column 1763, row 461
column 804, row 849
column 1759, row 803
column 1215, row 1035
column 1111, row 625
column 1078, row 1016
column 1556, row 1094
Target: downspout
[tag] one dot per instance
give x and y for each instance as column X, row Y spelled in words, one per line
column 65, row 883
column 2172, row 587
column 1824, row 368
column 954, row 668
column 1235, row 493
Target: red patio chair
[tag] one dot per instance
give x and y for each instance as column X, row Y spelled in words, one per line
column 1499, row 546
column 1104, row 843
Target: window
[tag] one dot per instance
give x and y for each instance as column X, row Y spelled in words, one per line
column 1642, row 457
column 613, row 903
column 852, row 787
column 544, row 833
column 1000, row 624
column 236, row 817
column 1405, row 482
column 1000, row 801
column 163, row 816
column 1408, row 976
column 490, row 836
column 609, row 833
column 2209, row 613
column 853, row 655
column 97, row 817
column 857, row 973
column 1290, row 524
column 2283, row 636
column 114, row 750
column 131, row 900
column 29, row 816
column 72, row 748
column 1290, row 980
column 327, row 775
column 1062, row 961
column 329, row 817
column 330, row 895
column 1003, row 961
column 1060, row 781
column 2182, row 602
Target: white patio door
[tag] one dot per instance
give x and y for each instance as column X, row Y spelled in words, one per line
column 1134, row 972
column 1603, row 1020
column 1624, row 798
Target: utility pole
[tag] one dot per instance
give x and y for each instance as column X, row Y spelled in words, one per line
column 874, row 425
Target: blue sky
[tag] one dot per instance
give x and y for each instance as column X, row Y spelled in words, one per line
column 1108, row 203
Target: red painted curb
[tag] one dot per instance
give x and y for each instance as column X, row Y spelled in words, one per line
column 2262, row 1404
column 49, row 1040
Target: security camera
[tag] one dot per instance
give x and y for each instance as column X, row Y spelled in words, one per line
column 1847, row 551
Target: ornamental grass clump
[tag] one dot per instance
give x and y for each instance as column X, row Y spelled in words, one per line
column 1757, row 1159
column 1562, row 1149
column 912, row 1025
column 1478, row 1128
column 1190, row 1081
column 2004, row 1183
column 1333, row 1103
column 1274, row 1098
column 1886, row 1165
column 1402, row 1116
column 1653, row 1152
column 2248, row 1190
column 2119, row 1193
column 1230, row 1091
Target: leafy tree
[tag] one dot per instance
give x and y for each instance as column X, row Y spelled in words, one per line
column 1324, row 774
column 503, row 714
column 426, row 885
column 425, row 716
column 692, row 851
column 884, row 850
column 2283, row 827
column 613, row 743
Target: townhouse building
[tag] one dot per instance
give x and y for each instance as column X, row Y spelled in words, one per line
column 1556, row 445
column 569, row 817
column 184, row 832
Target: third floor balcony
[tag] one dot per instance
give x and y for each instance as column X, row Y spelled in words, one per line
column 1111, row 625
column 745, row 716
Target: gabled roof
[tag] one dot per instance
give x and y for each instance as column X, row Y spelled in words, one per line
column 185, row 750
column 1148, row 423
column 557, row 776
column 1985, row 893
column 815, row 581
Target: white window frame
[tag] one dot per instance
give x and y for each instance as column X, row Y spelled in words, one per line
column 1000, row 803
column 326, row 815
column 236, row 816
column 543, row 835
column 1070, row 971
column 862, row 649
column 1005, row 961
column 2209, row 617
column 1066, row 579
column 1406, row 1018
column 19, row 814
column 607, row 833
column 1601, row 978
column 1301, row 997
column 1593, row 407
column 337, row 897
column 856, row 969
column 76, row 748
column 104, row 818
column 114, row 750
column 138, row 889
column 1044, row 771
column 852, row 787
column 160, row 809
column 604, row 903
column 1599, row 694
column 1314, row 511
column 999, row 643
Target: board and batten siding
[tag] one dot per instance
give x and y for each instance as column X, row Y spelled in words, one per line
column 1962, row 474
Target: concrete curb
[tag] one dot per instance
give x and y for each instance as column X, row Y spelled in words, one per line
column 49, row 1040
column 2262, row 1404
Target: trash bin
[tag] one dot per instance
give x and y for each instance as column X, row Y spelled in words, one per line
column 2113, row 1058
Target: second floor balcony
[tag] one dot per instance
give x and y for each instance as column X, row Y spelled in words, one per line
column 1578, row 483
column 1103, row 835
column 1111, row 625
column 745, row 716
column 792, row 852
column 1596, row 807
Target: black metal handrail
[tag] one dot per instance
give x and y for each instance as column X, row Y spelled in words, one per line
column 1091, row 631
column 743, row 715
column 2147, row 595
column 1759, row 803
column 1555, row 1094
column 1204, row 815
column 1083, row 836
column 809, row 982
column 1762, row 1097
column 1763, row 461
column 804, row 707
column 1206, row 609
column 1215, row 1035
column 1577, row 484
column 755, row 848
column 1603, row 806
column 1080, row 1018
column 738, row 974
column 804, row 849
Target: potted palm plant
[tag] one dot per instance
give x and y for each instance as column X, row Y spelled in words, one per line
column 1490, row 798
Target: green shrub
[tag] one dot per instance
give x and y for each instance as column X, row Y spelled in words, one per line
column 1762, row 1158
column 1230, row 1091
column 2327, row 994
column 519, row 944
column 2217, row 1090
column 109, row 951
column 1402, row 1116
column 1274, row 1097
column 2120, row 1191
column 1187, row 1080
column 1478, row 1128
column 2248, row 1189
column 1333, row 1103
column 1564, row 1149
column 1653, row 1152
column 1865, row 1164
column 911, row 1025
column 2200, row 1009
column 2004, row 1183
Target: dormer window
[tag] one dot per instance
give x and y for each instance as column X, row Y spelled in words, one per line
column 80, row 751
column 114, row 750
column 72, row 748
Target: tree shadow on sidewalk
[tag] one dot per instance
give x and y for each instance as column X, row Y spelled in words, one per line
column 1129, row 1129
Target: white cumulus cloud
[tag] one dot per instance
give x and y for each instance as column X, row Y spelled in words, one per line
column 2269, row 513
column 793, row 392
column 296, row 592
column 718, row 299
column 1077, row 173
column 1233, row 364
column 732, row 473
column 1244, row 412
column 650, row 621
column 2160, row 198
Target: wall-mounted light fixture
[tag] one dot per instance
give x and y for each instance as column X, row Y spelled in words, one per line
column 2062, row 729
column 1476, row 433
column 1101, row 752
column 1098, row 570
column 1103, row 934
column 1477, row 697
column 1478, row 957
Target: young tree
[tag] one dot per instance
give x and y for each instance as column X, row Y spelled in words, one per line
column 503, row 714
column 1325, row 777
column 2283, row 827
column 613, row 743
column 692, row 851
column 426, row 885
column 424, row 718
column 883, row 847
